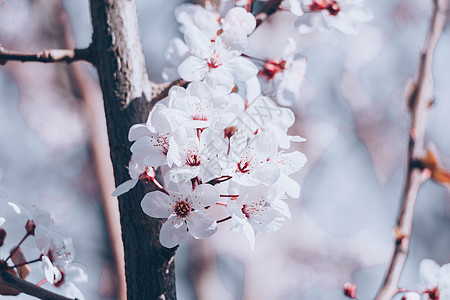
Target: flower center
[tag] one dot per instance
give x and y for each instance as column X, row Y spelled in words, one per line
column 253, row 209
column 433, row 294
column 161, row 142
column 214, row 61
column 200, row 117
column 244, row 166
column 331, row 5
column 182, row 209
column 271, row 68
column 193, row 160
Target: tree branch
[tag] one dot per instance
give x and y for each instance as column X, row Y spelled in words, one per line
column 46, row 56
column 127, row 95
column 269, row 8
column 28, row 288
column 420, row 99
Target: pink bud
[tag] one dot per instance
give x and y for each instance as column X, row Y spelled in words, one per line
column 350, row 290
column 30, row 227
column 2, row 236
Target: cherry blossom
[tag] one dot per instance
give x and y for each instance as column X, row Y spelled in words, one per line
column 176, row 53
column 342, row 15
column 184, row 210
column 138, row 171
column 436, row 279
column 253, row 211
column 214, row 62
column 411, row 296
column 205, row 20
column 236, row 26
column 154, row 144
column 58, row 249
column 289, row 163
column 285, row 76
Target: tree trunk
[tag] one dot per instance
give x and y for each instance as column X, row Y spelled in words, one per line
column 126, row 90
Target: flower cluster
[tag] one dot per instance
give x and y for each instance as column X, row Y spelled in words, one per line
column 56, row 252
column 435, row 282
column 221, row 139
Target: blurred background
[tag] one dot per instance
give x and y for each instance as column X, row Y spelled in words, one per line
column 54, row 154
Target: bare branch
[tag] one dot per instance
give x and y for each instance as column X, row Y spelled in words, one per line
column 269, row 8
column 161, row 90
column 28, row 288
column 419, row 100
column 46, row 56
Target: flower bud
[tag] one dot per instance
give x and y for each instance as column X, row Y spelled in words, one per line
column 30, row 227
column 2, row 236
column 350, row 290
column 229, row 132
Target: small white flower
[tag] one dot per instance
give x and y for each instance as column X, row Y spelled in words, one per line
column 184, row 210
column 214, row 62
column 254, row 207
column 58, row 249
column 176, row 53
column 205, row 20
column 342, row 15
column 237, row 25
column 436, row 279
column 289, row 163
column 284, row 77
column 138, row 171
column 411, row 296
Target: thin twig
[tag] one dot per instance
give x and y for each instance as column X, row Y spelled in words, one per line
column 419, row 101
column 46, row 56
column 269, row 8
column 28, row 288
column 18, row 246
column 224, row 219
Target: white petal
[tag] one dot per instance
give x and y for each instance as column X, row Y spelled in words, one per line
column 220, row 79
column 71, row 291
column 290, row 162
column 156, row 204
column 201, row 224
column 137, row 131
column 267, row 173
column 173, row 232
column 124, row 187
column 49, row 270
column 183, row 174
column 155, row 159
column 288, row 185
column 143, row 144
column 193, row 68
column 281, row 207
column 444, row 279
column 204, row 195
column 176, row 52
column 268, row 221
column 292, row 5
column 15, row 207
column 429, row 271
column 198, row 43
column 2, row 220
column 241, row 68
column 43, row 241
column 411, row 296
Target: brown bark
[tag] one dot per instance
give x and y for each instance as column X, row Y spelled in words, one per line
column 26, row 287
column 419, row 100
column 117, row 54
